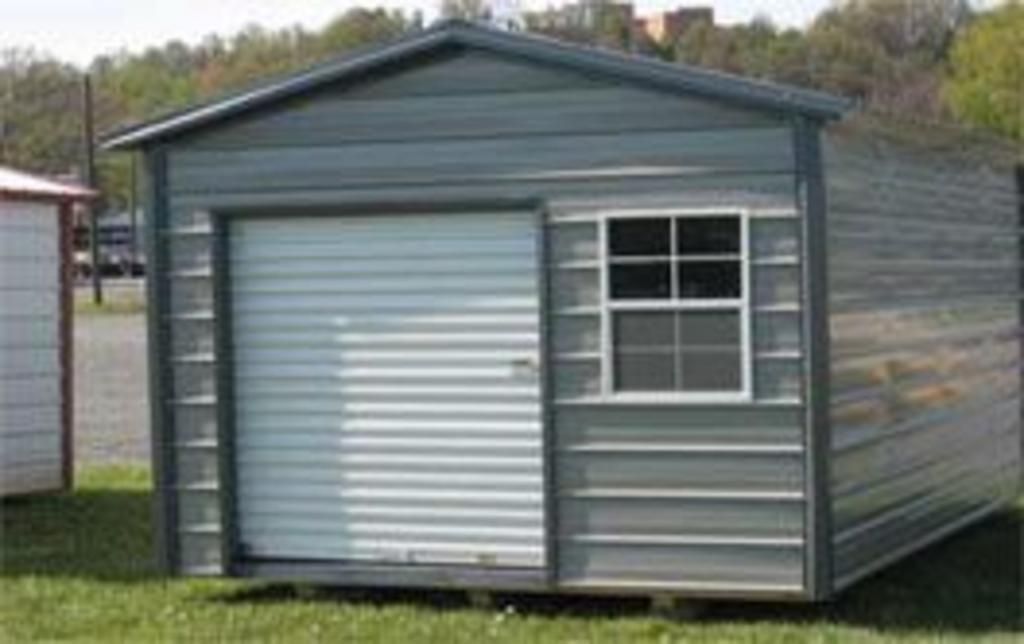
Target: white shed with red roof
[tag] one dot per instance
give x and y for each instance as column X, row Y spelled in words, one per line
column 35, row 332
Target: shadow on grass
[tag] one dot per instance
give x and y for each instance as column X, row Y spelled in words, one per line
column 970, row 583
column 95, row 534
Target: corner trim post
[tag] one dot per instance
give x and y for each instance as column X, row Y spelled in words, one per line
column 1019, row 177
column 811, row 200
column 160, row 382
column 67, row 334
column 547, row 400
column 224, row 357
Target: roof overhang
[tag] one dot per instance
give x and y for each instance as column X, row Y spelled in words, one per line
column 18, row 185
column 454, row 33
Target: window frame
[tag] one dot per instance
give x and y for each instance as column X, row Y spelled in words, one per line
column 742, row 305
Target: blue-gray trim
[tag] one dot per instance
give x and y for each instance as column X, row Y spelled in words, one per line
column 811, row 197
column 455, row 34
column 356, row 574
column 160, row 382
column 547, row 396
column 224, row 351
column 1019, row 175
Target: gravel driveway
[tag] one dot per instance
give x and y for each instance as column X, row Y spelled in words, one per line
column 111, row 408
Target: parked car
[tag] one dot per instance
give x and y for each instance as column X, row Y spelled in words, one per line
column 118, row 255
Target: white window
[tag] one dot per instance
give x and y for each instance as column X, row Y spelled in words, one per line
column 676, row 319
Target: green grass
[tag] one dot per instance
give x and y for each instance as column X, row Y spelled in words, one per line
column 120, row 304
column 79, row 566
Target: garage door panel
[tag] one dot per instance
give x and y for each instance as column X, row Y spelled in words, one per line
column 305, row 266
column 390, row 457
column 397, row 408
column 437, row 552
column 384, row 520
column 367, row 399
column 332, row 496
column 388, row 406
column 286, row 423
column 449, row 281
column 434, row 346
column 376, row 302
column 417, row 393
column 355, row 443
column 379, row 254
column 317, row 323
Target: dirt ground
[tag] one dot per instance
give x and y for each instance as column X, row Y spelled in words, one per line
column 111, row 397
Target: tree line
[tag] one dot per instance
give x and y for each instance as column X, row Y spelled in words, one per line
column 938, row 60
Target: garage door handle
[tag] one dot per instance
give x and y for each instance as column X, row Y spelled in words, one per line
column 525, row 364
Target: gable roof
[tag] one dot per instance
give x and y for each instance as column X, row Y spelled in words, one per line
column 630, row 68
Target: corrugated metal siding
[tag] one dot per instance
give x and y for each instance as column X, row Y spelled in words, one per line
column 190, row 392
column 386, row 406
column 690, row 498
column 30, row 371
column 461, row 131
column 924, row 298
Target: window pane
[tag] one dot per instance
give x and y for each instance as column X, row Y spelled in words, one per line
column 645, row 371
column 643, row 330
column 710, row 370
column 639, row 236
column 709, row 279
column 640, row 281
column 709, row 329
column 707, row 235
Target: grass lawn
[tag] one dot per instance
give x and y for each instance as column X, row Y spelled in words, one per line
column 120, row 297
column 79, row 567
column 113, row 304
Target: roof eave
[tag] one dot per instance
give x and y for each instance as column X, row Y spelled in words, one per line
column 36, row 195
column 757, row 94
column 167, row 125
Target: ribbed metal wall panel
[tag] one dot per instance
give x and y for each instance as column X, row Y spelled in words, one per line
column 31, row 457
column 706, row 498
column 925, row 341
column 387, row 392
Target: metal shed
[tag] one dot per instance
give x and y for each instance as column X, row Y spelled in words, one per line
column 36, row 276
column 480, row 309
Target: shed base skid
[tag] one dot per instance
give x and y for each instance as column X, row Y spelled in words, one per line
column 480, row 599
column 479, row 582
column 677, row 608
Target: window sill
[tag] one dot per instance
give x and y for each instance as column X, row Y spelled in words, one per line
column 670, row 400
column 671, row 397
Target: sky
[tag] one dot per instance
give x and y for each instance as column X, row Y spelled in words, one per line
column 78, row 30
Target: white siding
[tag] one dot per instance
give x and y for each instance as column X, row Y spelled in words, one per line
column 30, row 371
column 386, row 408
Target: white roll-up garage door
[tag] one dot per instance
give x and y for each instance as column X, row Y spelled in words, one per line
column 388, row 403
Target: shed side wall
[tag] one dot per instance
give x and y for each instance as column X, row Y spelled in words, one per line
column 699, row 498
column 924, row 320
column 31, row 368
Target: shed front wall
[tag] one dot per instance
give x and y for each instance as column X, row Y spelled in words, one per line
column 701, row 498
column 924, row 283
column 32, row 425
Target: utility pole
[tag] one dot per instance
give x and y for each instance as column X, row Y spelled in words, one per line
column 89, row 179
column 133, row 210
